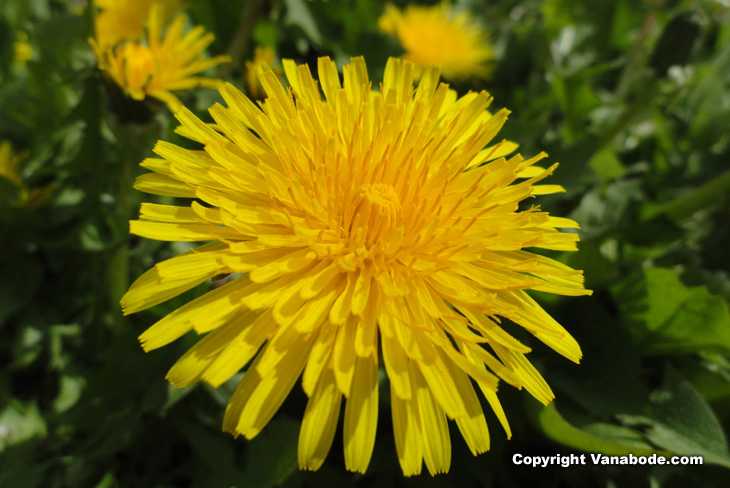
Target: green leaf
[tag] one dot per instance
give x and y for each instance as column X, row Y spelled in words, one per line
column 56, row 335
column 19, row 423
column 683, row 423
column 90, row 238
column 605, row 383
column 297, row 13
column 675, row 44
column 70, row 392
column 19, row 467
column 711, row 378
column 265, row 33
column 611, row 440
column 107, row 481
column 28, row 346
column 665, row 317
column 272, row 455
column 607, row 165
column 696, row 199
column 214, row 450
column 18, row 269
column 606, row 208
column 597, row 269
column 174, row 395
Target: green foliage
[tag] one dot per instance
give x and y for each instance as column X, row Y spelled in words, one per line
column 609, row 439
column 683, row 423
column 666, row 317
column 630, row 97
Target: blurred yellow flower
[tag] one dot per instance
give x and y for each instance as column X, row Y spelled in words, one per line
column 10, row 163
column 263, row 57
column 10, row 170
column 22, row 50
column 164, row 64
column 124, row 20
column 436, row 36
column 369, row 228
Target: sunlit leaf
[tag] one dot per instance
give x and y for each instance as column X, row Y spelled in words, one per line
column 596, row 438
column 664, row 316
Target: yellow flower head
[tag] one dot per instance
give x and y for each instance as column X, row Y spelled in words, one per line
column 436, row 36
column 263, row 57
column 10, row 170
column 365, row 228
column 166, row 63
column 124, row 20
column 22, row 50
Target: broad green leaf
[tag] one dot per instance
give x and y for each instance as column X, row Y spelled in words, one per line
column 620, row 434
column 595, row 438
column 665, row 317
column 683, row 423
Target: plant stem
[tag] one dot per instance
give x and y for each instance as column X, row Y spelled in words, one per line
column 132, row 140
column 250, row 15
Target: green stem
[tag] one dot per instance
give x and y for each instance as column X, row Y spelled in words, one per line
column 693, row 200
column 131, row 139
column 627, row 81
column 628, row 76
column 252, row 11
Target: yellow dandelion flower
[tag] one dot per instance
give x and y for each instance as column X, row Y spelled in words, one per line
column 124, row 20
column 166, row 63
column 366, row 228
column 436, row 36
column 10, row 170
column 22, row 50
column 10, row 163
column 263, row 56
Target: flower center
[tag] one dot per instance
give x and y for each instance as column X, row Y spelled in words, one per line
column 140, row 66
column 377, row 212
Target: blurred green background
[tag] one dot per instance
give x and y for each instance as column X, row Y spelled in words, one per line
column 631, row 97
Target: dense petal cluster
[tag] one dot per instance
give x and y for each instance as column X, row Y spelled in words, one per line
column 362, row 229
column 167, row 61
column 437, row 36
